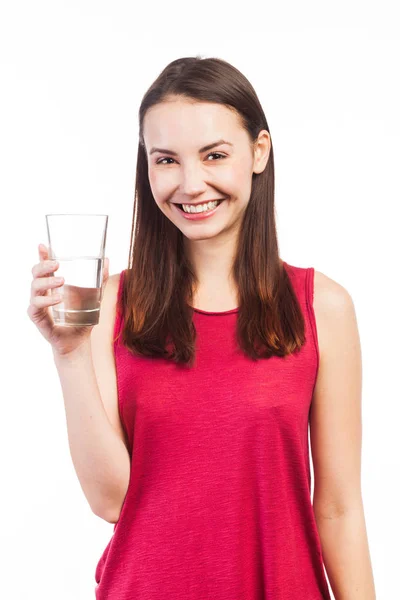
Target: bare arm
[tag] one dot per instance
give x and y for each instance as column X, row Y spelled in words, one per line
column 336, row 436
column 96, row 439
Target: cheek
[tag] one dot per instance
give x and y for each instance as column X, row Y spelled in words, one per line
column 235, row 181
column 156, row 186
column 161, row 184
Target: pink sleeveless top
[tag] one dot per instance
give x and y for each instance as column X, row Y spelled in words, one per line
column 219, row 499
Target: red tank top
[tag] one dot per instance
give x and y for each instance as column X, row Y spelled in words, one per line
column 219, row 500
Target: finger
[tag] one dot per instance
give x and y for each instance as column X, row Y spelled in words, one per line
column 45, row 301
column 45, row 267
column 43, row 252
column 41, row 285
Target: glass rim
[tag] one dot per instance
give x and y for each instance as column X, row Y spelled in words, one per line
column 75, row 215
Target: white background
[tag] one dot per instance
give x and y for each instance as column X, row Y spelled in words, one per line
column 72, row 78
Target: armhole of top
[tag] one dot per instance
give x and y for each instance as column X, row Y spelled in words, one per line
column 119, row 308
column 310, row 277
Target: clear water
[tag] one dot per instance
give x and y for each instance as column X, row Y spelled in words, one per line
column 81, row 291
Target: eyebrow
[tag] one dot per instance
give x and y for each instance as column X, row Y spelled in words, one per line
column 203, row 149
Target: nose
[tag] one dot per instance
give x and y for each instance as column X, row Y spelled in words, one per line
column 192, row 180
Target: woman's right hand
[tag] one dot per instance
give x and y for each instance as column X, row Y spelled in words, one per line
column 64, row 340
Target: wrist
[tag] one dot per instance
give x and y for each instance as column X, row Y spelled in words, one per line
column 82, row 351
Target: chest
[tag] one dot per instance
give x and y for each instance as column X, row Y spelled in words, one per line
column 224, row 394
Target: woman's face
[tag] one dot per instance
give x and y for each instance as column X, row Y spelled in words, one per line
column 182, row 170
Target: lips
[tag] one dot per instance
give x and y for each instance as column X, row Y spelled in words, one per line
column 190, row 212
column 197, row 216
column 198, row 203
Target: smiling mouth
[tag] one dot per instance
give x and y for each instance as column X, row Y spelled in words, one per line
column 180, row 206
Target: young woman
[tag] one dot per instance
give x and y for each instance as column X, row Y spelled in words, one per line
column 188, row 405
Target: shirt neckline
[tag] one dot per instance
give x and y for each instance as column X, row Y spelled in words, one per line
column 214, row 312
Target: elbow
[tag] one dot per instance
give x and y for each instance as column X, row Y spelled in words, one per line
column 109, row 510
column 107, row 515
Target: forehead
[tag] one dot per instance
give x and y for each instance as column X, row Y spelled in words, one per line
column 185, row 122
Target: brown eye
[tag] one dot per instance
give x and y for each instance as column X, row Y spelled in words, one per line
column 159, row 161
column 216, row 153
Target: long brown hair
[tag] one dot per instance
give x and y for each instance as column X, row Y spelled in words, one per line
column 160, row 280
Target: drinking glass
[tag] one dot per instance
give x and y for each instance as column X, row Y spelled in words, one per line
column 77, row 242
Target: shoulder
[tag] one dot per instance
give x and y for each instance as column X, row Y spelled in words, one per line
column 113, row 282
column 108, row 306
column 110, row 292
column 334, row 311
column 102, row 334
column 329, row 295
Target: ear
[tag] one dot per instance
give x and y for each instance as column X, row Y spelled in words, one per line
column 262, row 148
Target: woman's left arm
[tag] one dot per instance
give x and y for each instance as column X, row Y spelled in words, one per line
column 336, row 435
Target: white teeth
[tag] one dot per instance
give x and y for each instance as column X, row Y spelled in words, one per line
column 200, row 208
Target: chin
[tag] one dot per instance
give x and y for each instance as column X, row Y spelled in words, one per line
column 200, row 235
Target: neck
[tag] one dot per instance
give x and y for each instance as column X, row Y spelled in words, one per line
column 212, row 261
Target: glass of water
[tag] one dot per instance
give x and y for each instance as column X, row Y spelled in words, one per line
column 77, row 242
